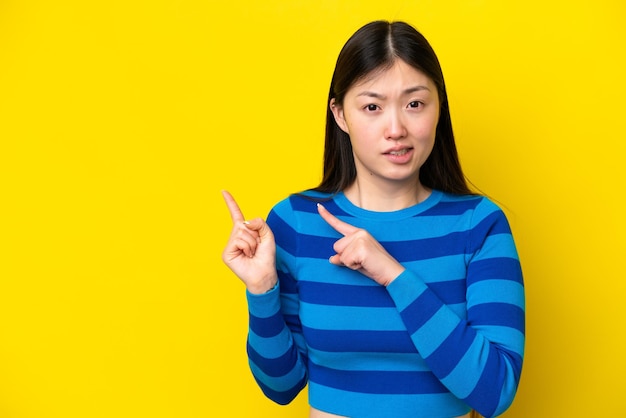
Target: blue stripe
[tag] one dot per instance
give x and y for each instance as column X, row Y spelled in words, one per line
column 378, row 382
column 333, row 208
column 293, row 322
column 359, row 341
column 503, row 314
column 287, row 283
column 270, row 347
column 496, row 246
column 512, row 339
column 450, row 244
column 301, row 203
column 467, row 372
column 447, row 356
column 450, row 292
column 454, row 208
column 495, row 223
column 497, row 291
column 420, row 311
column 283, row 232
column 516, row 362
column 434, row 332
column 356, row 318
column 307, row 204
column 344, row 295
column 442, row 269
column 284, row 260
column 403, row 251
column 504, row 268
column 281, row 397
column 273, row 367
column 312, row 246
column 369, row 361
column 486, row 394
column 279, row 383
column 266, row 327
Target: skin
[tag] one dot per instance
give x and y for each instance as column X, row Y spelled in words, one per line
column 251, row 251
column 394, row 111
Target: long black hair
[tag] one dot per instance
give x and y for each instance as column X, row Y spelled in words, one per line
column 374, row 47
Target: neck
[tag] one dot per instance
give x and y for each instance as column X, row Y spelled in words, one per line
column 386, row 198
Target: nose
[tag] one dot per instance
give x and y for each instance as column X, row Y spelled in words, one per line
column 395, row 128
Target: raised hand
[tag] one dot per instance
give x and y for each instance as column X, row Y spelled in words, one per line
column 250, row 251
column 358, row 250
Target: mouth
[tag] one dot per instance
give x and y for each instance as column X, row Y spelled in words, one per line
column 399, row 155
column 399, row 152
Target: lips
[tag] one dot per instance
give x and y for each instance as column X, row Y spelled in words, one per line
column 399, row 155
column 398, row 151
column 401, row 152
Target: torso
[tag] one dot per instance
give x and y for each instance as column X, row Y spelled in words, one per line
column 326, row 292
column 316, row 413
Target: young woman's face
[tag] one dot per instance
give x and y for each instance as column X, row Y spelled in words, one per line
column 391, row 118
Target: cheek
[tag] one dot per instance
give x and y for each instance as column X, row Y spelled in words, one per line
column 352, row 120
column 426, row 133
column 358, row 129
column 427, row 130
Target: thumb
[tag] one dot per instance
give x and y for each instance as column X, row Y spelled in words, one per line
column 260, row 226
column 336, row 260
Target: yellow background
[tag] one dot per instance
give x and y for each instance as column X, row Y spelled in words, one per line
column 121, row 121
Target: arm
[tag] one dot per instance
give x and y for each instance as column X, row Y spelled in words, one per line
column 479, row 358
column 275, row 360
column 252, row 254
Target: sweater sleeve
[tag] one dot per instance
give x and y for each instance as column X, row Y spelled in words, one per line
column 478, row 358
column 276, row 349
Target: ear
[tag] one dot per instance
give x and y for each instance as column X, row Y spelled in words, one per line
column 338, row 114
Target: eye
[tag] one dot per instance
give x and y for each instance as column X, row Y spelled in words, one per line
column 415, row 104
column 371, row 107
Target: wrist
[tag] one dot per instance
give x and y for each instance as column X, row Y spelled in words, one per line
column 394, row 275
column 265, row 286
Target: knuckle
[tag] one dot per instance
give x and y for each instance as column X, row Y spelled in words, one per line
column 361, row 234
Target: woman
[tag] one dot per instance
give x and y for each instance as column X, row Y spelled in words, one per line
column 391, row 289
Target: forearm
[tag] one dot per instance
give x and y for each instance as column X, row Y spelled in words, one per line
column 477, row 358
column 274, row 358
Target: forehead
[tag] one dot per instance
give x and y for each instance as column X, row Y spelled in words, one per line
column 399, row 74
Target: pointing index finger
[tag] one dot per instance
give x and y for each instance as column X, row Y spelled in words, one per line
column 235, row 213
column 338, row 225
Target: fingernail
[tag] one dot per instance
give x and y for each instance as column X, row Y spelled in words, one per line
column 246, row 222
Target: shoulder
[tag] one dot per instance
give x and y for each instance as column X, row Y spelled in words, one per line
column 449, row 204
column 293, row 216
column 305, row 201
column 480, row 214
column 486, row 218
column 476, row 204
column 296, row 205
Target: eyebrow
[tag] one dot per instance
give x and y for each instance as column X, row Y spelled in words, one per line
column 382, row 96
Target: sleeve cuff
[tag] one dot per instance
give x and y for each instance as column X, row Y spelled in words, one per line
column 265, row 304
column 406, row 288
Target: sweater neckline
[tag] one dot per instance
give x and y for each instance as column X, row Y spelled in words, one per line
column 346, row 205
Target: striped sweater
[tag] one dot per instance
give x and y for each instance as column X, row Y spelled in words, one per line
column 444, row 337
